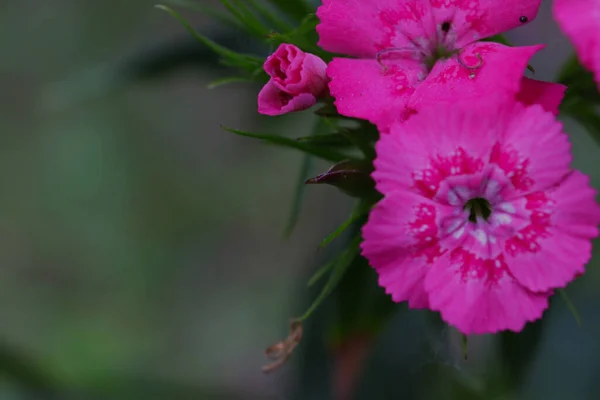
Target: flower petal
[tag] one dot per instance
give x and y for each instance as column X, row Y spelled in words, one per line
column 580, row 21
column 401, row 242
column 372, row 91
column 481, row 76
column 533, row 151
column 274, row 101
column 555, row 246
column 478, row 19
column 363, row 28
column 479, row 295
column 439, row 142
column 547, row 94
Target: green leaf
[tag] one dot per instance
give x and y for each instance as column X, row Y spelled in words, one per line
column 305, row 171
column 465, row 346
column 570, row 305
column 295, row 9
column 305, row 37
column 269, row 17
column 320, row 273
column 326, row 154
column 330, row 139
column 227, row 81
column 26, row 372
column 204, row 9
column 359, row 212
column 584, row 113
column 246, row 18
column 339, row 268
column 580, row 82
column 231, row 58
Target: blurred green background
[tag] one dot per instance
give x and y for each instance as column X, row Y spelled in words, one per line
column 142, row 247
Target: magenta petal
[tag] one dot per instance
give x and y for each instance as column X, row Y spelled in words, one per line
column 479, row 295
column 547, row 94
column 580, row 21
column 421, row 152
column 365, row 89
column 553, row 248
column 362, row 28
column 478, row 19
column 533, row 151
column 401, row 242
column 273, row 101
column 480, row 76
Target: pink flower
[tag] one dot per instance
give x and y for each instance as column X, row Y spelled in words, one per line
column 580, row 20
column 413, row 52
column 297, row 80
column 481, row 217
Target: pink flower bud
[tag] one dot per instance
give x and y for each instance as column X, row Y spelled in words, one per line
column 297, row 80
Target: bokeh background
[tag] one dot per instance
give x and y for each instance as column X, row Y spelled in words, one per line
column 142, row 248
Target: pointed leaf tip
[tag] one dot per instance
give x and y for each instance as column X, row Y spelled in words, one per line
column 352, row 177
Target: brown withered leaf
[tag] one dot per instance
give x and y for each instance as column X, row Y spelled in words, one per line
column 281, row 351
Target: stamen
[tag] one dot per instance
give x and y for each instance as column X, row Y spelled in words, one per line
column 478, row 207
column 393, row 50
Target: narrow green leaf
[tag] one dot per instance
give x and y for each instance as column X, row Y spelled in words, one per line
column 253, row 24
column 340, row 229
column 206, row 10
column 269, row 17
column 326, row 154
column 570, row 306
column 338, row 270
column 232, row 58
column 320, row 273
column 330, row 139
column 305, row 171
column 295, row 9
column 304, row 36
column 227, row 81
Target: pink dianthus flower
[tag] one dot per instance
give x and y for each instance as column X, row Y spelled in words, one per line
column 580, row 20
column 482, row 216
column 414, row 52
column 297, row 80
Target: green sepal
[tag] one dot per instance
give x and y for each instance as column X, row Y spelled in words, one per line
column 351, row 177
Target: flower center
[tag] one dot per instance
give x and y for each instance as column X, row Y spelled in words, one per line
column 478, row 207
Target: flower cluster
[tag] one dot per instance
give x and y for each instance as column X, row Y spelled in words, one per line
column 466, row 201
column 482, row 217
